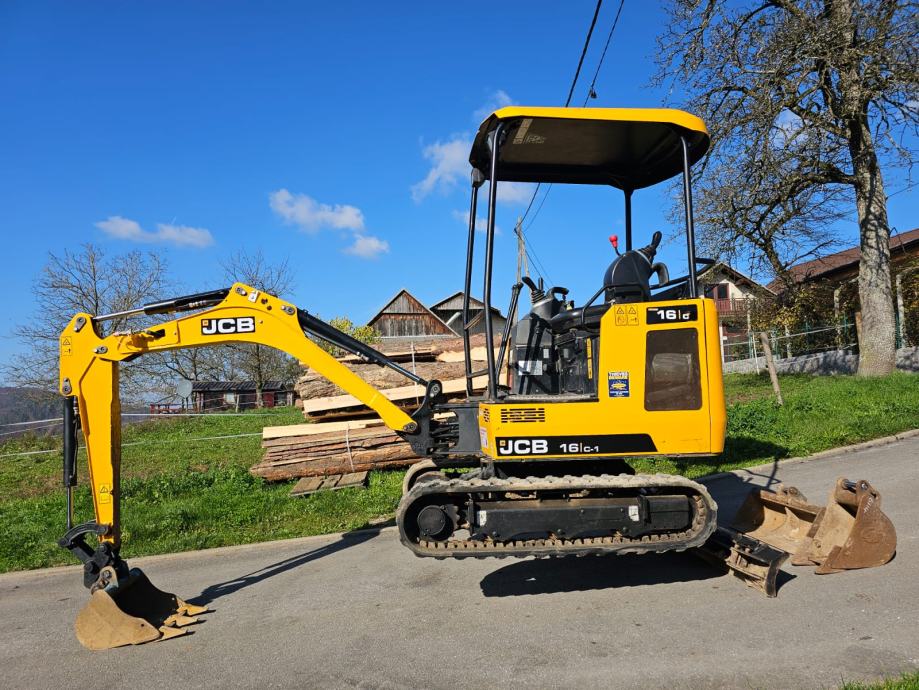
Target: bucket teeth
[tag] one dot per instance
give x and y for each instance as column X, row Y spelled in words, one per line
column 167, row 633
column 191, row 609
column 177, row 620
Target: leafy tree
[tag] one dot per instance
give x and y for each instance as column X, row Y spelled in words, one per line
column 808, row 102
column 365, row 334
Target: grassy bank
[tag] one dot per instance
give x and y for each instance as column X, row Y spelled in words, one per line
column 908, row 681
column 185, row 490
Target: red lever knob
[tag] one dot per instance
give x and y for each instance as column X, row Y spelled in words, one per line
column 614, row 240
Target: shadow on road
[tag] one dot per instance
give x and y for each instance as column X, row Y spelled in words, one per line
column 549, row 576
column 730, row 490
column 222, row 589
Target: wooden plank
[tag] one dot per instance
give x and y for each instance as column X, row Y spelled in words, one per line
column 310, row 485
column 307, row 485
column 273, row 432
column 352, row 479
column 339, row 402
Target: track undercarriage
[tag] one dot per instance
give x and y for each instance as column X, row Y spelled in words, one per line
column 480, row 515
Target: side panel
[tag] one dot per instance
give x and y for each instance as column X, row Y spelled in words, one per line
column 660, row 393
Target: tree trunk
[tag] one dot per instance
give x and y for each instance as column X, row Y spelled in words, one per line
column 877, row 344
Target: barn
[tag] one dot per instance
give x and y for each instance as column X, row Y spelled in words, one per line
column 404, row 317
column 450, row 311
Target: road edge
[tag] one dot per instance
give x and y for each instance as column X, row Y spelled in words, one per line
column 218, row 550
column 832, row 452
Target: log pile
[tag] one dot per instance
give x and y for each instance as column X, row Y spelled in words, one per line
column 441, row 360
column 345, row 437
column 332, row 452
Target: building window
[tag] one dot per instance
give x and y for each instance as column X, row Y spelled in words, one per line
column 229, row 398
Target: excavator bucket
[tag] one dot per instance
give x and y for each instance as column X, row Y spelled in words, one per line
column 780, row 518
column 850, row 532
column 132, row 611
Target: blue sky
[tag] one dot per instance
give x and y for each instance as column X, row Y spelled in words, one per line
column 334, row 134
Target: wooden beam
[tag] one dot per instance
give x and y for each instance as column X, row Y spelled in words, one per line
column 338, row 402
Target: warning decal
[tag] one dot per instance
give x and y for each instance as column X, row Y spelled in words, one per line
column 626, row 316
column 66, row 346
column 618, row 383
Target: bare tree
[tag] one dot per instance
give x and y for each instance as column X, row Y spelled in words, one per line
column 805, row 99
column 255, row 362
column 85, row 280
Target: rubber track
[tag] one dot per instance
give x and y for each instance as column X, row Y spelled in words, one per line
column 704, row 518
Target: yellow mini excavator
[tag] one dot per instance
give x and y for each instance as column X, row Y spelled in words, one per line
column 633, row 371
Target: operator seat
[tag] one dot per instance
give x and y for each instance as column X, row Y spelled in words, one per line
column 626, row 280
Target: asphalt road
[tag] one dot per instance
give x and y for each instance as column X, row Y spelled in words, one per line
column 360, row 611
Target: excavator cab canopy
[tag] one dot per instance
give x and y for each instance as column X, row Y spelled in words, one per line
column 628, row 148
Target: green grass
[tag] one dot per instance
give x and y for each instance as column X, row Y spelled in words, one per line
column 908, row 681
column 183, row 491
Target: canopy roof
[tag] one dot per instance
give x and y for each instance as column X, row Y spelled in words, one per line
column 628, row 148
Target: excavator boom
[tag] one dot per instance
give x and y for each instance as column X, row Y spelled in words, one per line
column 125, row 608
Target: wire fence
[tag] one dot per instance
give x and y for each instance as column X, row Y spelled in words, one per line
column 784, row 344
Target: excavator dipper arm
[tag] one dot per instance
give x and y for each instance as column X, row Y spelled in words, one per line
column 89, row 366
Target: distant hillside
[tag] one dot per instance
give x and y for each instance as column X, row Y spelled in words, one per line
column 26, row 404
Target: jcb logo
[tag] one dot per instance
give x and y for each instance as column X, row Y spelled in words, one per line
column 239, row 324
column 522, row 446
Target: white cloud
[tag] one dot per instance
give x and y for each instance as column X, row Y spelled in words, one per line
column 481, row 223
column 449, row 164
column 178, row 235
column 514, row 192
column 450, row 161
column 311, row 216
column 367, row 246
column 499, row 99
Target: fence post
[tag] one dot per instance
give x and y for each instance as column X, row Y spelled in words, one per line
column 787, row 341
column 770, row 365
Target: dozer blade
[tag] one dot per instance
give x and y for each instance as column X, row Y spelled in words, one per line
column 753, row 561
column 132, row 611
column 851, row 532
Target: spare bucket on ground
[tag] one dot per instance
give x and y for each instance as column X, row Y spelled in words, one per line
column 850, row 532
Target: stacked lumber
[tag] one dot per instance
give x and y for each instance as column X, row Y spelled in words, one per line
column 441, row 360
column 345, row 438
column 320, row 451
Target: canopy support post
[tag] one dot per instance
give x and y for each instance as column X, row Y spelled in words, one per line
column 690, row 228
column 477, row 180
column 628, row 219
column 489, row 255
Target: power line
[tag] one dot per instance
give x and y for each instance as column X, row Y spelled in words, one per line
column 574, row 82
column 590, row 32
column 593, row 23
column 593, row 82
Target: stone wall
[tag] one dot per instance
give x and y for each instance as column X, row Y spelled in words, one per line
column 822, row 364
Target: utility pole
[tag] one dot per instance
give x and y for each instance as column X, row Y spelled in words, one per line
column 523, row 266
